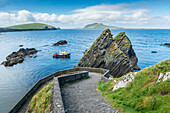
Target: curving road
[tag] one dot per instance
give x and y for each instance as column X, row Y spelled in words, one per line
column 82, row 97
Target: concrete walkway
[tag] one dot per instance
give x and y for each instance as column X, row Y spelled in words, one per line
column 82, row 97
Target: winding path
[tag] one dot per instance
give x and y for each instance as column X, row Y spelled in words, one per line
column 82, row 97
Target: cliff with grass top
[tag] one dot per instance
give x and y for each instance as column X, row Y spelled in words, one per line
column 147, row 91
column 28, row 27
column 115, row 54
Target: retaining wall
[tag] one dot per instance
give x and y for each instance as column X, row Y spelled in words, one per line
column 42, row 81
column 61, row 80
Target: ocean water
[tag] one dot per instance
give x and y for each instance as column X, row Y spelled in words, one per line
column 17, row 80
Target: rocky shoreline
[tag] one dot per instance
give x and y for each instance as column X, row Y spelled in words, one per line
column 18, row 57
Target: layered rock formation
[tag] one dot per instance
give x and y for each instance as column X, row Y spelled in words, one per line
column 115, row 54
column 18, row 57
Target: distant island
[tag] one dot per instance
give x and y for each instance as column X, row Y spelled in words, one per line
column 28, row 27
column 100, row 26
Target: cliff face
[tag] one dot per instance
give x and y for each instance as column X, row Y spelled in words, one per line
column 115, row 54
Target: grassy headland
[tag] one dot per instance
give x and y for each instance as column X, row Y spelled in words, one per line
column 100, row 26
column 28, row 27
column 40, row 103
column 144, row 94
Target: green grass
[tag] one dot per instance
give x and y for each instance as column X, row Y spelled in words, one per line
column 30, row 26
column 143, row 95
column 40, row 103
column 100, row 26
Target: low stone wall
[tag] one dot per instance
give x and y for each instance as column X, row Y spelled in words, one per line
column 42, row 81
column 61, row 80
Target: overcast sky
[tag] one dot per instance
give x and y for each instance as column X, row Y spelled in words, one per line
column 78, row 13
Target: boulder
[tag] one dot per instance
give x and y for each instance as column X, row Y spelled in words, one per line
column 18, row 57
column 115, row 54
column 61, row 42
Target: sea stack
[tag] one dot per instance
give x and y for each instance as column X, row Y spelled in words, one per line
column 115, row 54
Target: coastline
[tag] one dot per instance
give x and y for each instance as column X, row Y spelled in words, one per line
column 14, row 30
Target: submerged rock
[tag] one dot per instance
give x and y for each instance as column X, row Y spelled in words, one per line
column 115, row 54
column 61, row 42
column 20, row 45
column 153, row 51
column 18, row 57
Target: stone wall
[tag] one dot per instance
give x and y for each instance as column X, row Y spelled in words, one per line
column 42, row 81
column 61, row 80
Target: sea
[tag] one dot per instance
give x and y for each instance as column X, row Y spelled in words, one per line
column 15, row 81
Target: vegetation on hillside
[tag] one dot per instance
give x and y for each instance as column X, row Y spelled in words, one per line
column 99, row 26
column 40, row 103
column 142, row 95
column 31, row 26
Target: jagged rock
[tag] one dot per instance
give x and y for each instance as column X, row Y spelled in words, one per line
column 115, row 54
column 125, row 80
column 61, row 42
column 17, row 57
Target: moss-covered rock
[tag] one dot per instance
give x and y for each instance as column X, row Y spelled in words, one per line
column 115, row 54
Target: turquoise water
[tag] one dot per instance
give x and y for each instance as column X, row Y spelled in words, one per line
column 16, row 80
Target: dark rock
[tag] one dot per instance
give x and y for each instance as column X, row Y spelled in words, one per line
column 166, row 44
column 153, row 51
column 115, row 54
column 35, row 56
column 136, row 67
column 18, row 57
column 85, row 51
column 30, row 56
column 20, row 45
column 61, row 42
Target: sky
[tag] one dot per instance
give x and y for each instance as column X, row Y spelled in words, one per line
column 68, row 14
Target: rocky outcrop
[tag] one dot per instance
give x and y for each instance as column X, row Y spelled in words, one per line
column 115, row 54
column 166, row 44
column 18, row 57
column 163, row 77
column 125, row 80
column 61, row 42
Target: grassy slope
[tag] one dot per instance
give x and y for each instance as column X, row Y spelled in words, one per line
column 30, row 26
column 143, row 94
column 99, row 26
column 40, row 103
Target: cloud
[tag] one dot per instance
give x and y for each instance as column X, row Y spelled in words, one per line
column 123, row 15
